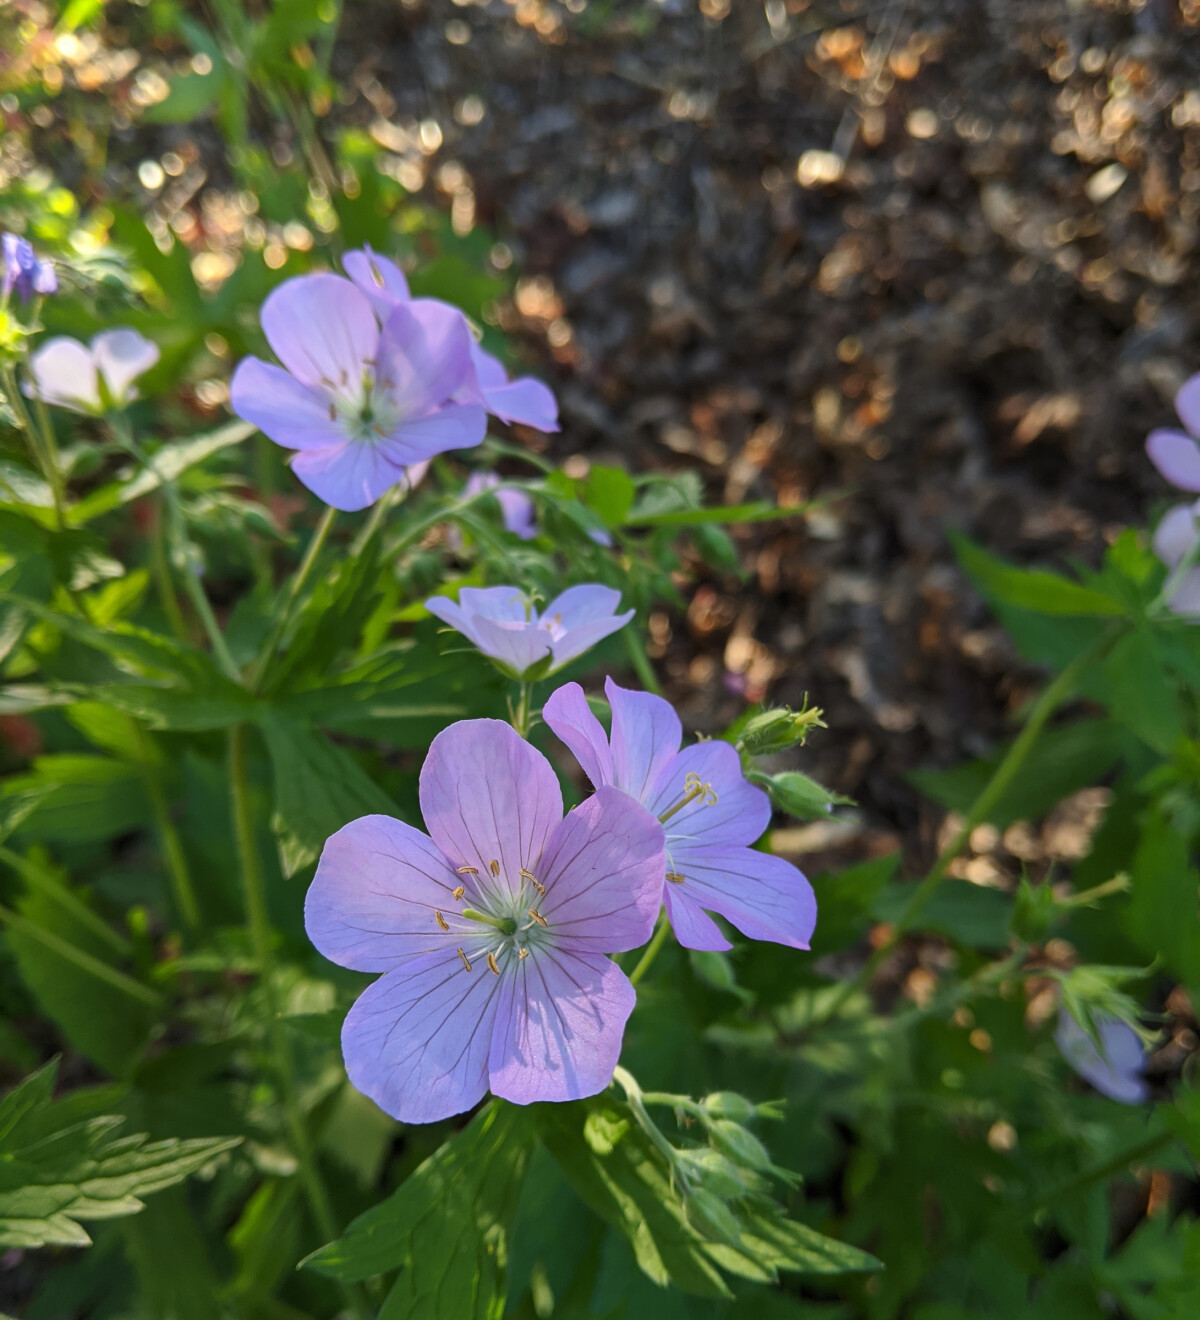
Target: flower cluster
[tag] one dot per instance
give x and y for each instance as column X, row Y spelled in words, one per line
column 492, row 930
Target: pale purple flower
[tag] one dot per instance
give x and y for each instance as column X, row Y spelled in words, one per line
column 24, row 270
column 1115, row 1067
column 709, row 811
column 1174, row 540
column 492, row 931
column 506, row 625
column 361, row 403
column 524, row 400
column 91, row 378
column 516, row 508
column 1176, row 454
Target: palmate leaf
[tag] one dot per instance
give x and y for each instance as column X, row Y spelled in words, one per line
column 59, row 1164
column 446, row 1229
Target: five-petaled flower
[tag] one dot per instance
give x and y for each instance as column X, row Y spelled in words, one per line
column 1176, row 453
column 361, row 402
column 709, row 811
column 492, row 932
column 506, row 626
column 24, row 270
column 91, row 378
column 523, row 400
column 1114, row 1067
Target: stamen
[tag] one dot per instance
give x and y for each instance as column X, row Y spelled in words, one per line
column 441, row 921
column 540, row 888
column 492, row 964
column 693, row 788
column 466, row 962
column 459, row 892
column 537, row 916
column 494, row 867
column 466, row 870
column 376, row 274
column 527, row 875
column 332, row 413
column 524, row 953
column 675, row 878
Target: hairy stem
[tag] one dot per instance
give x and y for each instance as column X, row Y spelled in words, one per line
column 656, row 943
column 177, row 867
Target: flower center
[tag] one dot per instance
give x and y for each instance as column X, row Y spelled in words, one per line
column 365, row 410
column 510, row 924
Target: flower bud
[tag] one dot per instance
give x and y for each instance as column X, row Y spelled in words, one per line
column 710, row 1170
column 712, row 1218
column 741, row 1145
column 728, row 1104
column 1034, row 911
column 778, row 729
column 799, row 795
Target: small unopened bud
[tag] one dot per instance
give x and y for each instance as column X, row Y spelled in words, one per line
column 712, row 1218
column 710, row 1170
column 728, row 1104
column 1034, row 912
column 741, row 1145
column 778, row 729
column 799, row 795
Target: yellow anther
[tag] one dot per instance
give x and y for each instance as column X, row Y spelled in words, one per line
column 494, row 867
column 492, row 963
column 459, row 892
column 674, row 877
column 691, row 781
column 537, row 916
column 527, row 875
column 466, row 870
column 466, row 962
column 522, row 955
column 441, row 921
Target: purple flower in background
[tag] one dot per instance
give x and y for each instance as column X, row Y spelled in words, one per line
column 91, row 378
column 1176, row 454
column 525, row 400
column 24, row 270
column 504, row 623
column 361, row 403
column 516, row 508
column 1174, row 540
column 1115, row 1068
column 709, row 811
column 491, row 931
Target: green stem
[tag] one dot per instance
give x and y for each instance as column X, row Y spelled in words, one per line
column 1047, row 703
column 41, row 440
column 84, row 961
column 633, row 1096
column 521, row 717
column 54, row 469
column 656, row 943
column 37, row 878
column 254, row 893
column 161, row 569
column 271, row 645
column 177, row 867
column 641, row 661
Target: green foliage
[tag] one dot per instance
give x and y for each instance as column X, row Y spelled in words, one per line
column 63, row 1161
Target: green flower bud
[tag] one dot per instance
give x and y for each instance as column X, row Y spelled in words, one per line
column 778, row 729
column 1034, row 912
column 728, row 1104
column 712, row 1218
column 741, row 1145
column 709, row 1169
column 799, row 795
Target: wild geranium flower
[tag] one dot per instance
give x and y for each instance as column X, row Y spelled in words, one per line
column 1174, row 541
column 505, row 624
column 91, row 378
column 360, row 402
column 1176, row 454
column 516, row 507
column 24, row 270
column 1114, row 1067
column 709, row 811
column 525, row 400
column 491, row 931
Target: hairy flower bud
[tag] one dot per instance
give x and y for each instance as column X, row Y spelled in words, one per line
column 712, row 1218
column 778, row 729
column 710, row 1170
column 728, row 1104
column 740, row 1144
column 799, row 795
